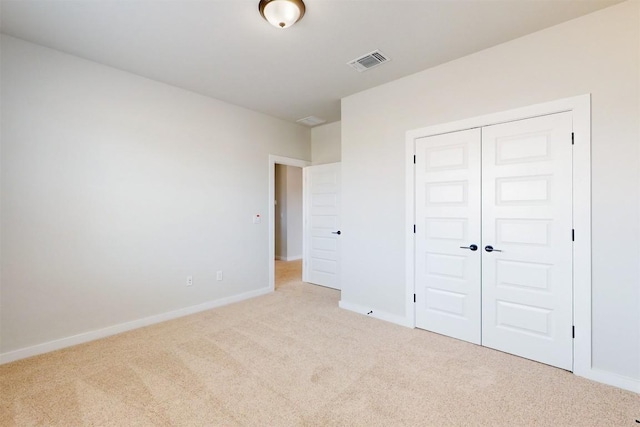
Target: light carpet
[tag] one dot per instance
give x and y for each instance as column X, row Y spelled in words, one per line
column 294, row 358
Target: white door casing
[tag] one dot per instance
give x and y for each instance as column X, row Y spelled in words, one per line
column 527, row 288
column 273, row 160
column 447, row 212
column 321, row 245
column 580, row 108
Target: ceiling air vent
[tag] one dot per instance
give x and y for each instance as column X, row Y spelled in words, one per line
column 368, row 61
column 311, row 121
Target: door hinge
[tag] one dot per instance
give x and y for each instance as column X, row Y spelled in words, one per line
column 573, row 332
column 414, row 297
column 572, row 139
column 414, row 229
column 573, row 235
column 414, row 159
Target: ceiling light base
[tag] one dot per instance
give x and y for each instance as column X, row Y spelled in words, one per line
column 282, row 13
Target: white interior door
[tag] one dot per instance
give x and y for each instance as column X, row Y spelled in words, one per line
column 321, row 252
column 447, row 266
column 527, row 285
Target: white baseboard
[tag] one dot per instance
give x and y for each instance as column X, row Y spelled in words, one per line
column 123, row 327
column 289, row 258
column 371, row 312
column 597, row 375
column 612, row 379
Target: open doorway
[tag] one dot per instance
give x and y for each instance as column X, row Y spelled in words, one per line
column 290, row 268
column 288, row 231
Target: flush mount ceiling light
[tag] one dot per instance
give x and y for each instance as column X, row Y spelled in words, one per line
column 281, row 13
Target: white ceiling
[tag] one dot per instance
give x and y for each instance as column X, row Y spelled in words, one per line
column 224, row 49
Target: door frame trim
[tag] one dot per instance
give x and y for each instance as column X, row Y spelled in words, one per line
column 280, row 160
column 580, row 106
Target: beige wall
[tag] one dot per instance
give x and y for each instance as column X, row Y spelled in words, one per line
column 597, row 54
column 116, row 187
column 326, row 143
column 288, row 212
column 294, row 213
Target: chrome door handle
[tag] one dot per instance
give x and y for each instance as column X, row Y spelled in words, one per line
column 489, row 248
column 472, row 247
column 337, row 232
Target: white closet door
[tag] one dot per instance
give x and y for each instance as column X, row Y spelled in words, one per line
column 321, row 251
column 527, row 293
column 448, row 218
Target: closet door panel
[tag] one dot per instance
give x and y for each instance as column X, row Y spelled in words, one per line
column 447, row 224
column 527, row 292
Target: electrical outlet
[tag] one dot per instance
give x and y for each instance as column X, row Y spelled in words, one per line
column 189, row 280
column 219, row 275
